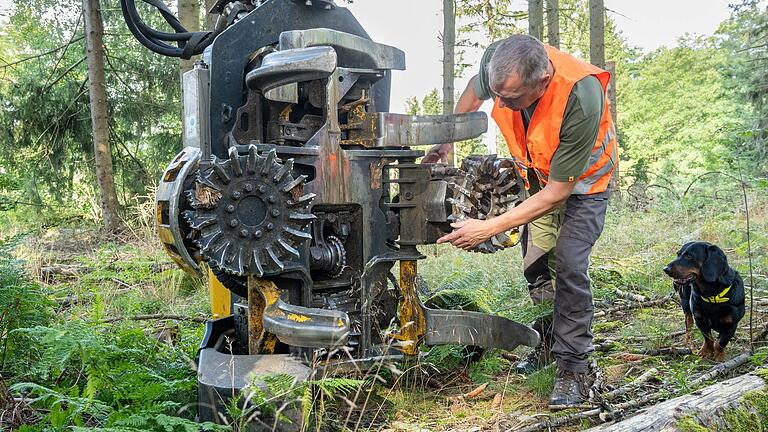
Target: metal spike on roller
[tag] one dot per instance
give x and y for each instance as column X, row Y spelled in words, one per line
column 486, row 187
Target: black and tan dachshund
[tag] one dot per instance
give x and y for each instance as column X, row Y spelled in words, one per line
column 711, row 294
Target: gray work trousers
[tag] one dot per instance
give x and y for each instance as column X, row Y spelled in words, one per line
column 556, row 249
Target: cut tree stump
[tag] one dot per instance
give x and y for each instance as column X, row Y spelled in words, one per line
column 706, row 406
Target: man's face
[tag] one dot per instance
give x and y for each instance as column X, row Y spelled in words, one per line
column 514, row 95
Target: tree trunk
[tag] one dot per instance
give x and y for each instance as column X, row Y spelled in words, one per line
column 597, row 33
column 449, row 60
column 536, row 18
column 210, row 19
column 189, row 15
column 553, row 23
column 94, row 32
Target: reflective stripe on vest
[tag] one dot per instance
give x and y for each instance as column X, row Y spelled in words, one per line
column 584, row 185
column 534, row 148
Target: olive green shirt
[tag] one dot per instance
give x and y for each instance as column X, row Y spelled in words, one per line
column 581, row 121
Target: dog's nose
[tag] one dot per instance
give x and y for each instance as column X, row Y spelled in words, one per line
column 668, row 270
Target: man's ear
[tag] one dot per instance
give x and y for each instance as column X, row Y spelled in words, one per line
column 545, row 78
column 715, row 265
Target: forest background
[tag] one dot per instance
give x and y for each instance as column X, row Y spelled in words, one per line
column 691, row 124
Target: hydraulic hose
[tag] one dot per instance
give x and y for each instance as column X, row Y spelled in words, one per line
column 187, row 43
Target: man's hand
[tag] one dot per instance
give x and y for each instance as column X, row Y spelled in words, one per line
column 437, row 154
column 469, row 233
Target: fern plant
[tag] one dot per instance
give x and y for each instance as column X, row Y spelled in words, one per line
column 278, row 399
column 22, row 304
column 106, row 376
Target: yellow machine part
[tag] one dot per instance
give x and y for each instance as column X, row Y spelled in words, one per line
column 221, row 300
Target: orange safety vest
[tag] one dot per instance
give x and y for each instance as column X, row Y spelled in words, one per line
column 535, row 151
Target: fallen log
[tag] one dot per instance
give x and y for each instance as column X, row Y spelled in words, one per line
column 639, row 381
column 51, row 271
column 714, row 372
column 668, row 351
column 705, row 406
column 630, row 296
column 160, row 317
column 631, row 306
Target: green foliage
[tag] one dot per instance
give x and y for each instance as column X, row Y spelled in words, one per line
column 487, row 367
column 744, row 39
column 111, row 377
column 22, row 304
column 430, row 104
column 680, row 116
column 271, row 398
column 45, row 111
column 542, row 381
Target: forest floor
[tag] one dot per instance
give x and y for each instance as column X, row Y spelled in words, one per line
column 79, row 363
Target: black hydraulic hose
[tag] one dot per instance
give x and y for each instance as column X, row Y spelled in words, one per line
column 154, row 40
column 158, row 47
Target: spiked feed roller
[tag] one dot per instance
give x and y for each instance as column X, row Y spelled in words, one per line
column 249, row 214
column 486, row 187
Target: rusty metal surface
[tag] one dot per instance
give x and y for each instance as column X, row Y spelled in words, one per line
column 256, row 304
column 412, row 320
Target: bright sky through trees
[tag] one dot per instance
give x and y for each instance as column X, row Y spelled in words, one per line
column 414, row 27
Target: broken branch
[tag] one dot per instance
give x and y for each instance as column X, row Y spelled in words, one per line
column 630, row 306
column 156, row 317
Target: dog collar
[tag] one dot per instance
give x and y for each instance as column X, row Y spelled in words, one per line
column 718, row 298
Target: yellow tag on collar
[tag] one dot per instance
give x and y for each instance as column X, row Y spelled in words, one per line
column 718, row 298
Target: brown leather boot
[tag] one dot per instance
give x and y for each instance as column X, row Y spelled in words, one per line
column 571, row 389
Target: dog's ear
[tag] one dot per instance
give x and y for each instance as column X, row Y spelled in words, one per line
column 716, row 264
column 684, row 247
column 726, row 279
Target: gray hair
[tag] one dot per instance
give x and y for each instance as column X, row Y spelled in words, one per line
column 521, row 54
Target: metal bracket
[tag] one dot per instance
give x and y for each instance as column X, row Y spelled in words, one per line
column 297, row 325
column 401, row 130
column 353, row 51
column 291, row 66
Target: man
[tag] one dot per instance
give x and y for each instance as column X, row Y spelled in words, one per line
column 553, row 113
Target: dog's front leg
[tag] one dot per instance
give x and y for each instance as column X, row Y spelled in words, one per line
column 707, row 348
column 722, row 341
column 689, row 329
column 684, row 291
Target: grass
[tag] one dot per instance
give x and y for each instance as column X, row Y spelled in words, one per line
column 131, row 276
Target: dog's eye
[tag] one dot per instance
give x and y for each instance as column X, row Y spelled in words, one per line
column 687, row 256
